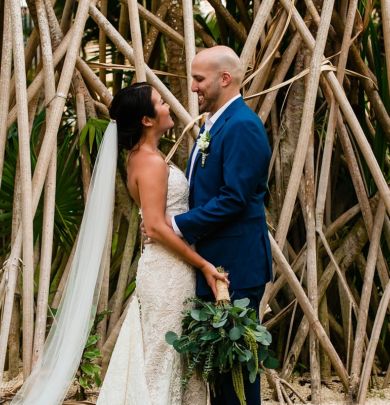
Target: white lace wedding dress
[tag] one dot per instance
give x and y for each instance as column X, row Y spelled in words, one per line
column 144, row 369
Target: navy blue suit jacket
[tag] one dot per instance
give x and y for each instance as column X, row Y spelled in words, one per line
column 226, row 220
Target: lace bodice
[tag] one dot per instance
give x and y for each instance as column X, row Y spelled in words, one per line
column 178, row 191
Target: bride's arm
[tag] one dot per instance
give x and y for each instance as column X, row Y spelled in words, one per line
column 152, row 183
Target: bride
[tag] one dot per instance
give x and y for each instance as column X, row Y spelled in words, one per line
column 143, row 368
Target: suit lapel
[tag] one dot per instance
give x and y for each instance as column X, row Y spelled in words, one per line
column 214, row 131
column 192, row 153
column 194, row 171
column 218, row 125
column 192, row 182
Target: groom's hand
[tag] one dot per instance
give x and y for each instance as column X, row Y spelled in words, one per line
column 145, row 238
column 168, row 220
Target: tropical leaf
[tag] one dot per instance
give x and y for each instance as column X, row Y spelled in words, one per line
column 93, row 132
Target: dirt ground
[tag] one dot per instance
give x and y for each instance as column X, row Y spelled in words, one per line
column 332, row 392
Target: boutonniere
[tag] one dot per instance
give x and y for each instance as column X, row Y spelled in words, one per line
column 203, row 143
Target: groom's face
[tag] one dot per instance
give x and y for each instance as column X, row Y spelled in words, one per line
column 206, row 82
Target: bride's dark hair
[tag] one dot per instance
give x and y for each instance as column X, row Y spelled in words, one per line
column 127, row 108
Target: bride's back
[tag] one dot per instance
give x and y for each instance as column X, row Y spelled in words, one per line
column 140, row 164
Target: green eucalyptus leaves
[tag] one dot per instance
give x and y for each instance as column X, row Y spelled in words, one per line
column 218, row 338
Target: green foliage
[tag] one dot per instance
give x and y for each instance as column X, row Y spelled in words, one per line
column 93, row 132
column 69, row 197
column 7, row 190
column 210, row 24
column 69, row 206
column 130, row 288
column 218, row 338
column 89, row 373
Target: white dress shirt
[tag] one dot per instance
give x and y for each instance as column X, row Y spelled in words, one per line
column 210, row 121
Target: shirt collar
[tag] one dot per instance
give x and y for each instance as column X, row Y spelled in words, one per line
column 210, row 121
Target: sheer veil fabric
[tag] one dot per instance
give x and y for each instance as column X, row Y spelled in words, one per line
column 56, row 367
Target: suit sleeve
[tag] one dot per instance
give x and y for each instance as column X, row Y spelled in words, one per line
column 246, row 156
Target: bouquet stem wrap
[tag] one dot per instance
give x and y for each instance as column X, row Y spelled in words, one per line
column 222, row 288
column 222, row 291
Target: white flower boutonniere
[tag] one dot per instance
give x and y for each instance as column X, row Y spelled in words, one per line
column 203, row 143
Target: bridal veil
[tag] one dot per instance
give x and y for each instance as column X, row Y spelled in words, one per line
column 56, row 367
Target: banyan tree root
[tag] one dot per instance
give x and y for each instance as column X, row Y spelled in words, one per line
column 8, row 389
column 280, row 386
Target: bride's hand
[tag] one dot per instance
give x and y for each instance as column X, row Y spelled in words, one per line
column 211, row 275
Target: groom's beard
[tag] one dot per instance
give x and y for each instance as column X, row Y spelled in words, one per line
column 206, row 106
column 208, row 103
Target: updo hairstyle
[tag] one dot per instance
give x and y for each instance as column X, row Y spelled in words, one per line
column 127, row 108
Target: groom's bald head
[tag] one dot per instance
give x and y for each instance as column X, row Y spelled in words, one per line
column 222, row 58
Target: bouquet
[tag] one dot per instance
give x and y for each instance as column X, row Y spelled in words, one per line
column 222, row 337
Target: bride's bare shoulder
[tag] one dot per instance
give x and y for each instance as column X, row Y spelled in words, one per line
column 142, row 161
column 145, row 168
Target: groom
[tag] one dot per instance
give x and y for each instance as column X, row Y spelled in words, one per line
column 228, row 174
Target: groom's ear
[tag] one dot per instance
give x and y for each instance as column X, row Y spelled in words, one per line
column 146, row 121
column 226, row 78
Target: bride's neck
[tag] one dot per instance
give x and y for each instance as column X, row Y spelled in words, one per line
column 150, row 143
